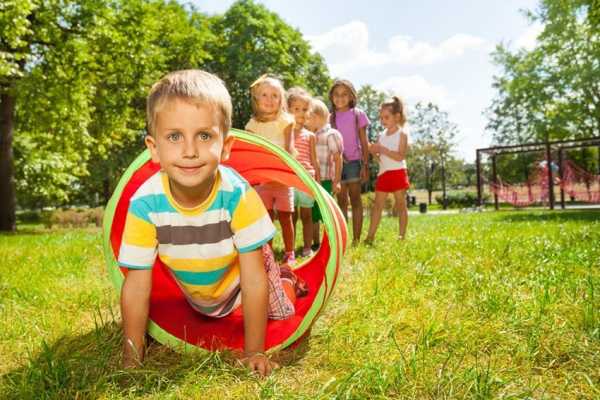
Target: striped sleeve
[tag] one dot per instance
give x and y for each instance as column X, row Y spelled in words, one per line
column 250, row 223
column 139, row 243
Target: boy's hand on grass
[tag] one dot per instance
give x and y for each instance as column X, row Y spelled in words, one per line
column 259, row 363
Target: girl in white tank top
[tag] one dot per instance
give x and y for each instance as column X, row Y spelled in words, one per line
column 390, row 151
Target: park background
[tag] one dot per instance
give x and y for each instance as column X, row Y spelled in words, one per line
column 477, row 305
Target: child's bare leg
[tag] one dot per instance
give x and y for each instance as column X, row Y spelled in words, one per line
column 357, row 210
column 307, row 226
column 294, row 222
column 316, row 234
column 376, row 212
column 287, row 230
column 342, row 199
column 400, row 196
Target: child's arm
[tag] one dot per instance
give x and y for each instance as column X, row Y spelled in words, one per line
column 135, row 303
column 337, row 177
column 364, row 143
column 289, row 139
column 399, row 154
column 255, row 298
column 314, row 160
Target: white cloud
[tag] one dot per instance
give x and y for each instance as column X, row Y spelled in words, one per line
column 528, row 39
column 346, row 48
column 415, row 88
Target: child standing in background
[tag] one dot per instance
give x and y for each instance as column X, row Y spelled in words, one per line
column 352, row 124
column 391, row 151
column 329, row 148
column 299, row 103
column 271, row 121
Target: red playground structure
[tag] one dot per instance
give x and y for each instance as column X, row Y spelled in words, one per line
column 571, row 179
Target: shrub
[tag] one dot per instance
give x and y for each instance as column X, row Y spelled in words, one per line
column 76, row 218
column 461, row 199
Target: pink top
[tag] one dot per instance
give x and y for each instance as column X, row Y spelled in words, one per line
column 302, row 145
column 345, row 123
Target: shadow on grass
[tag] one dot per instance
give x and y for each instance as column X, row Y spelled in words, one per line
column 556, row 215
column 84, row 366
column 88, row 366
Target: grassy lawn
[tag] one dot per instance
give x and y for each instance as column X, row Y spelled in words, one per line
column 484, row 305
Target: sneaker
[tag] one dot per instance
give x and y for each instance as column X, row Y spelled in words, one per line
column 289, row 259
column 307, row 252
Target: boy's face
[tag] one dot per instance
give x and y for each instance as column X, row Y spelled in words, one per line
column 299, row 109
column 341, row 97
column 268, row 99
column 188, row 144
column 316, row 121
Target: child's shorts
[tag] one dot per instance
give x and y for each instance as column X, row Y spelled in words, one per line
column 280, row 305
column 316, row 212
column 276, row 196
column 303, row 200
column 392, row 181
column 351, row 171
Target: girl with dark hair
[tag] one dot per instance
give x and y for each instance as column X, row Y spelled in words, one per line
column 352, row 123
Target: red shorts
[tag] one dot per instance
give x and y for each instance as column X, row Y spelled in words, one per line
column 392, row 181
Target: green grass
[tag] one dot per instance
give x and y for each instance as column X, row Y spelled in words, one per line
column 482, row 305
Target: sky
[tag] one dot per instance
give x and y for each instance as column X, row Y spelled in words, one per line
column 428, row 50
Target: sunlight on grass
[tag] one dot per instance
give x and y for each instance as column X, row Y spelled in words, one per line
column 492, row 305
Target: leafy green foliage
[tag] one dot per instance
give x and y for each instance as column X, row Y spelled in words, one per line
column 430, row 157
column 370, row 100
column 251, row 41
column 80, row 71
column 552, row 91
column 461, row 199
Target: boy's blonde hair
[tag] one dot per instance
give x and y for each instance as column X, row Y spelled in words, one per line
column 194, row 85
column 297, row 93
column 267, row 79
column 319, row 107
column 396, row 106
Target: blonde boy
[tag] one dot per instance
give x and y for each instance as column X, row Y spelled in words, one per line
column 203, row 220
column 329, row 149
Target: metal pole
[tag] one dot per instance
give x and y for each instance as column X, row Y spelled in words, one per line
column 495, row 181
column 478, row 168
column 550, row 183
column 560, row 174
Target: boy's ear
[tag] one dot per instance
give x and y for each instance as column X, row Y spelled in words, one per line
column 227, row 145
column 151, row 145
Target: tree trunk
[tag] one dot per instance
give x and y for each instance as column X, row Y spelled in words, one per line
column 7, row 185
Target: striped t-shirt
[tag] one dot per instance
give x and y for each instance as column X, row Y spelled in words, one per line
column 302, row 145
column 200, row 245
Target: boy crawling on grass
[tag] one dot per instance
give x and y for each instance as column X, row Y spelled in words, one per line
column 203, row 220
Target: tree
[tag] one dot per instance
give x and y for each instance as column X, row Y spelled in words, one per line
column 40, row 43
column 370, row 100
column 76, row 74
column 553, row 91
column 433, row 135
column 251, row 41
column 168, row 38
